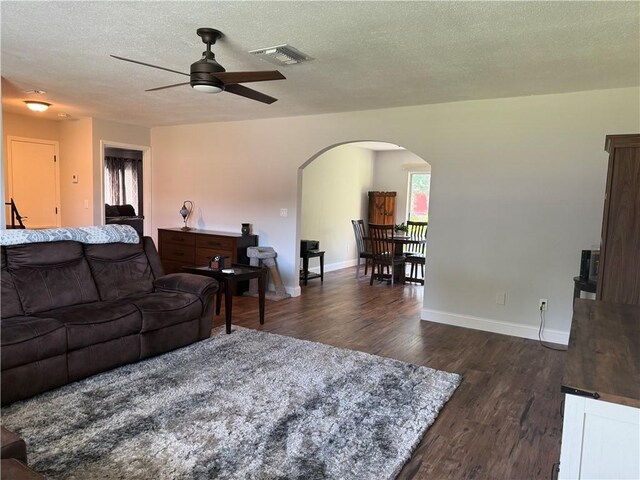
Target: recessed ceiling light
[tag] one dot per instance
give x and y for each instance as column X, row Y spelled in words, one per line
column 37, row 106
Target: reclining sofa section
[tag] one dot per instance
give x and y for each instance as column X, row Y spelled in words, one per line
column 70, row 310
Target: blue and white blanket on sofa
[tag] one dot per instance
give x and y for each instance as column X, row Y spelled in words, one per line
column 92, row 234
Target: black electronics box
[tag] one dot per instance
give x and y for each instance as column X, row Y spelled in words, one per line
column 589, row 265
column 584, row 264
column 308, row 245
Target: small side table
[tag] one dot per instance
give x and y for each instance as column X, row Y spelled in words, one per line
column 228, row 278
column 305, row 274
column 582, row 285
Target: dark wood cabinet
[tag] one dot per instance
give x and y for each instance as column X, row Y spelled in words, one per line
column 382, row 208
column 619, row 267
column 194, row 248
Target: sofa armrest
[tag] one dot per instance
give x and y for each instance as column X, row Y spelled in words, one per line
column 12, row 446
column 16, row 470
column 187, row 283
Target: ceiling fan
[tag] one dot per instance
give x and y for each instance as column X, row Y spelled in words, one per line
column 209, row 76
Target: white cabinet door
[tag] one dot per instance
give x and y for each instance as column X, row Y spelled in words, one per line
column 600, row 440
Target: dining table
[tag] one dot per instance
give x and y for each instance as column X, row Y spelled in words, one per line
column 399, row 241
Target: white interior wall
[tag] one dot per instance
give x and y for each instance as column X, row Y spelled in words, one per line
column 334, row 192
column 391, row 174
column 517, row 190
column 76, row 159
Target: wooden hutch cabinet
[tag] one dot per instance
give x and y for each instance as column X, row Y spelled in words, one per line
column 194, row 248
column 382, row 208
column 619, row 267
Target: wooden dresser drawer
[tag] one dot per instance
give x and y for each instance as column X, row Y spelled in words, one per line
column 211, row 241
column 181, row 238
column 179, row 253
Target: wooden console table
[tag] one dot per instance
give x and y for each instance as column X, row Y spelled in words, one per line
column 601, row 427
column 191, row 248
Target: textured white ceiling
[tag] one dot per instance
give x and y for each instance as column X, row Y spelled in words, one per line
column 367, row 55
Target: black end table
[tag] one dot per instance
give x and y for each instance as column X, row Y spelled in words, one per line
column 583, row 285
column 304, row 274
column 228, row 278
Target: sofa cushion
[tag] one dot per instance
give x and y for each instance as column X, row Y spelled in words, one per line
column 119, row 269
column 30, row 339
column 93, row 323
column 50, row 275
column 9, row 299
column 162, row 309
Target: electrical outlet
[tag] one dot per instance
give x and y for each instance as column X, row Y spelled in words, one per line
column 284, row 212
column 501, row 298
column 544, row 305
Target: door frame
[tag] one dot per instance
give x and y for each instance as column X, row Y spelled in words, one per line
column 56, row 149
column 146, row 179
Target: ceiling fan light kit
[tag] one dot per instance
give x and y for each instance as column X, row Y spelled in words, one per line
column 207, row 88
column 208, row 76
column 37, row 106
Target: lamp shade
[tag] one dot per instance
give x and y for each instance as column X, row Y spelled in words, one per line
column 37, row 106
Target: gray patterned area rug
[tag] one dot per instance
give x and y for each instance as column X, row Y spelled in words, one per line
column 249, row 405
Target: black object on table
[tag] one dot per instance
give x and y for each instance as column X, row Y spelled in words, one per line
column 583, row 285
column 228, row 278
column 305, row 275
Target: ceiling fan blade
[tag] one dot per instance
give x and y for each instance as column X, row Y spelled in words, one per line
column 149, row 65
column 167, row 86
column 230, row 78
column 249, row 93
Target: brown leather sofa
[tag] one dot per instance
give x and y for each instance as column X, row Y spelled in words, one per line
column 70, row 310
column 13, row 458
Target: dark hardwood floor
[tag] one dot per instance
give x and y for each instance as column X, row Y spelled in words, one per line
column 503, row 421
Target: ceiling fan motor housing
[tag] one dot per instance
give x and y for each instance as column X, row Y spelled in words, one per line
column 202, row 69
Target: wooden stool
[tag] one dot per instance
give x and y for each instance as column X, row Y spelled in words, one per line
column 304, row 273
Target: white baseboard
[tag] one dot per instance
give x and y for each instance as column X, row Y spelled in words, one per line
column 293, row 291
column 296, row 291
column 334, row 266
column 495, row 326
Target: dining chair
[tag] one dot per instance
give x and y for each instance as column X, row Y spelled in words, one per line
column 415, row 254
column 381, row 238
column 361, row 245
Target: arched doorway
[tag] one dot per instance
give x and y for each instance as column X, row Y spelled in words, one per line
column 333, row 187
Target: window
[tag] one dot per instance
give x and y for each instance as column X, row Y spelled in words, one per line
column 418, row 197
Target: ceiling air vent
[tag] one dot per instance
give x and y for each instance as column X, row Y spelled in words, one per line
column 281, row 55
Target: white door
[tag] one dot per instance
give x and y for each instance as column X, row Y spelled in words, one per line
column 33, row 181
